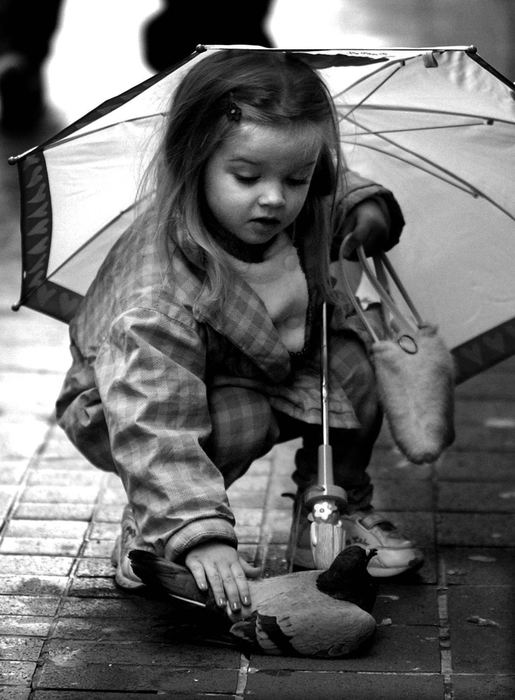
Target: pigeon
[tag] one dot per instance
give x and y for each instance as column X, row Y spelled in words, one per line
column 323, row 614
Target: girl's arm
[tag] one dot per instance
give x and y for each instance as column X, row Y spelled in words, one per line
column 366, row 209
column 149, row 372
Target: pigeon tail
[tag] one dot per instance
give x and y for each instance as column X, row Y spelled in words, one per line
column 177, row 581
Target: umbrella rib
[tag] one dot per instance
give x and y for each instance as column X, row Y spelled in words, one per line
column 366, row 97
column 75, row 137
column 417, row 128
column 454, row 180
column 426, row 110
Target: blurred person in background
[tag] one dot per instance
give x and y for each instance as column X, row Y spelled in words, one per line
column 27, row 28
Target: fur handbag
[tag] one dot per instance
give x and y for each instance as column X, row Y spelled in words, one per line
column 414, row 370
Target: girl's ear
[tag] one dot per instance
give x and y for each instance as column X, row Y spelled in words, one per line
column 323, row 181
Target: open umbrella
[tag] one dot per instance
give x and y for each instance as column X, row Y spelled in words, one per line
column 434, row 125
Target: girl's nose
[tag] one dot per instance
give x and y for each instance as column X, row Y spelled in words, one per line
column 272, row 195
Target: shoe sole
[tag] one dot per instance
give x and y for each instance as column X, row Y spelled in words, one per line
column 382, row 572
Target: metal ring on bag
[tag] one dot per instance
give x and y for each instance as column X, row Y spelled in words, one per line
column 408, row 344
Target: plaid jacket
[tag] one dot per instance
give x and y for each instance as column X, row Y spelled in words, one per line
column 146, row 346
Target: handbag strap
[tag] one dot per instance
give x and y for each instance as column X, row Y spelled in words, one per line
column 379, row 283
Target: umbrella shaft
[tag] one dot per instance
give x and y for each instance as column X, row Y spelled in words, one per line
column 324, row 377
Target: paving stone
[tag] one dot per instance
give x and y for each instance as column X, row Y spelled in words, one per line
column 334, row 684
column 54, row 511
column 492, row 603
column 62, row 477
column 408, row 494
column 32, row 585
column 16, row 672
column 127, row 607
column 389, row 463
column 20, row 648
column 475, row 529
column 248, row 492
column 98, row 587
column 406, row 605
column 59, row 494
column 484, row 437
column 104, row 531
column 183, row 656
column 469, row 465
column 14, row 692
column 74, row 464
column 33, row 545
column 498, row 497
column 28, row 605
column 108, row 513
column 474, row 686
column 137, row 678
column 98, row 548
column 113, row 630
column 107, row 695
column 94, row 567
column 478, row 649
column 12, row 471
column 479, row 566
column 35, row 565
column 46, row 528
column 25, row 625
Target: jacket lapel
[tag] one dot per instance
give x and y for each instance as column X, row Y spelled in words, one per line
column 244, row 321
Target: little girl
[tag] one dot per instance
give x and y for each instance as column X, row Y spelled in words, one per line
column 195, row 349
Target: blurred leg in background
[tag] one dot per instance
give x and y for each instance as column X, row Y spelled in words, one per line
column 172, row 34
column 26, row 31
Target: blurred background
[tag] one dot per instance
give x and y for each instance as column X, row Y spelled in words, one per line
column 100, row 48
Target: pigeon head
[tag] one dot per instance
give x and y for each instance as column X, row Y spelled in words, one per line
column 348, row 579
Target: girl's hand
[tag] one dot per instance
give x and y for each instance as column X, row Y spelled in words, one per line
column 219, row 566
column 368, row 224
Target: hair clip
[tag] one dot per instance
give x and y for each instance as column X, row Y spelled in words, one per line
column 233, row 112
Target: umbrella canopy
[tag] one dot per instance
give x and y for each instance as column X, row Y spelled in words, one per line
column 434, row 125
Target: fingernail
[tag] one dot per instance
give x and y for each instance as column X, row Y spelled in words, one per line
column 246, row 600
column 236, row 606
column 221, row 602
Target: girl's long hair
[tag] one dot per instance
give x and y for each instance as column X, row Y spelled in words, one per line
column 270, row 88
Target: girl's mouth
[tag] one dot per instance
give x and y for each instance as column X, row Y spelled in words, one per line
column 266, row 221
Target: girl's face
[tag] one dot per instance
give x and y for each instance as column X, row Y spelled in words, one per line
column 257, row 181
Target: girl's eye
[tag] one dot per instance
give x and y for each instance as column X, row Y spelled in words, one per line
column 246, row 178
column 298, row 181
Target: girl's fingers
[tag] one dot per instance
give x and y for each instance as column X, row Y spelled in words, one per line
column 198, row 573
column 216, row 582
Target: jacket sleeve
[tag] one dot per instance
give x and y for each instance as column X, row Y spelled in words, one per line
column 150, row 371
column 356, row 189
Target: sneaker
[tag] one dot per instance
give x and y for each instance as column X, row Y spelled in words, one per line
column 125, row 542
column 395, row 553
